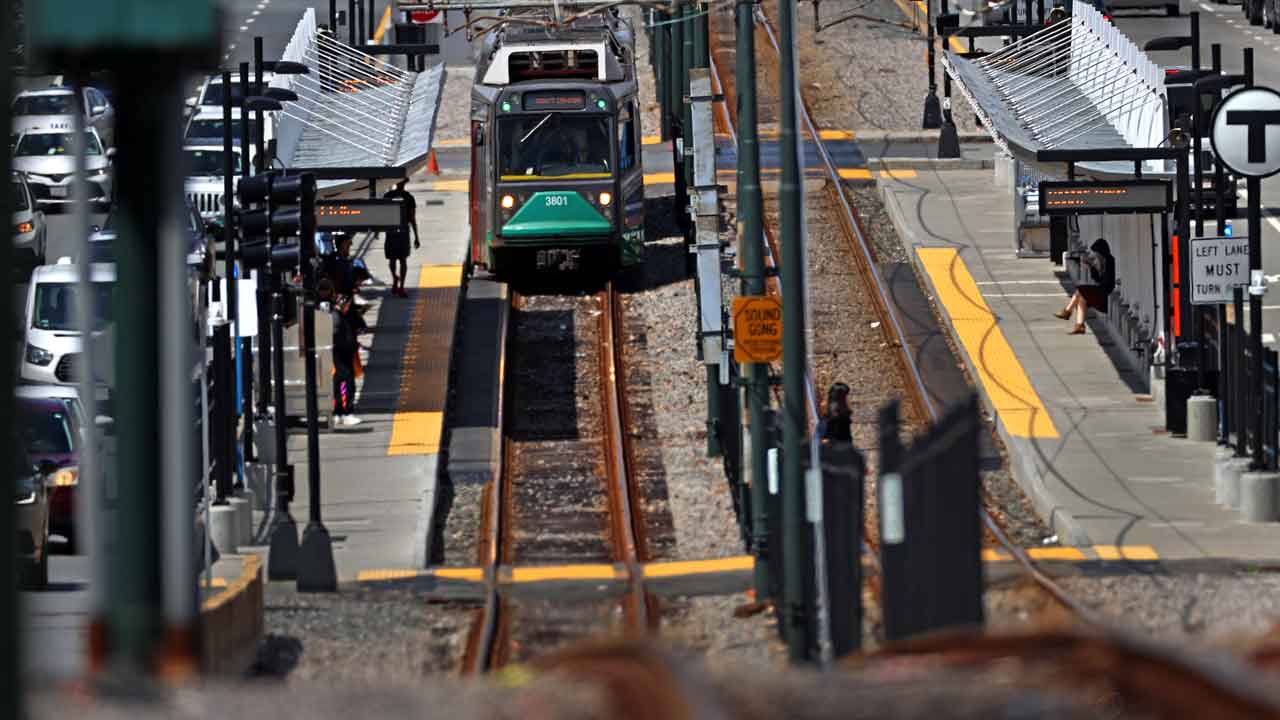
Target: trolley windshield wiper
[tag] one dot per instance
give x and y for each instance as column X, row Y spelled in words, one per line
column 541, row 122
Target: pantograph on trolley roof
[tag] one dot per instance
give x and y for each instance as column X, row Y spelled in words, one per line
column 1078, row 84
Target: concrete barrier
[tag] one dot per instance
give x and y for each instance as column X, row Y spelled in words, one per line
column 1258, row 496
column 231, row 622
column 1227, row 480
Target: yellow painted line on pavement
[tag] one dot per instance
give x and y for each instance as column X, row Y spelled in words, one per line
column 661, row 178
column 699, row 567
column 452, row 142
column 471, row 574
column 440, row 276
column 383, row 24
column 250, row 570
column 1015, row 401
column 448, row 186
column 566, row 572
column 218, row 582
column 1125, row 552
column 384, row 575
column 915, row 10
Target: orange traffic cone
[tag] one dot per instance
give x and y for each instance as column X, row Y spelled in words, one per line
column 433, row 167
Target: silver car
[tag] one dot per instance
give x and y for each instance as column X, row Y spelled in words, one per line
column 48, row 159
column 204, row 184
column 54, row 109
column 30, row 234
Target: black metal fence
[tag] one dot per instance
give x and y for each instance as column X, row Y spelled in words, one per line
column 1240, row 400
column 930, row 533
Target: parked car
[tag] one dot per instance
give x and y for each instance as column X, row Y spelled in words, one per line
column 31, row 505
column 53, row 344
column 204, row 186
column 54, row 439
column 30, row 234
column 211, row 91
column 55, row 109
column 205, row 128
column 48, row 159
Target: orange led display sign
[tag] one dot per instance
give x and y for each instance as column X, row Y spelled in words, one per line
column 1101, row 197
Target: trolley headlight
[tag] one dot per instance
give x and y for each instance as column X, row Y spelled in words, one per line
column 508, row 202
column 66, row 477
column 605, row 199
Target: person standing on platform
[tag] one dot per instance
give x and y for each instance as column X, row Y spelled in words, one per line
column 346, row 359
column 396, row 244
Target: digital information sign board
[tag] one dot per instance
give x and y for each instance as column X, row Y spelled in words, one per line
column 359, row 214
column 1098, row 197
column 554, row 100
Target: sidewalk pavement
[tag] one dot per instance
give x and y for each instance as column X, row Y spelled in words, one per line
column 1085, row 444
column 378, row 478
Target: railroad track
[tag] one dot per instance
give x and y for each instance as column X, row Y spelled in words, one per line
column 564, row 493
column 1141, row 672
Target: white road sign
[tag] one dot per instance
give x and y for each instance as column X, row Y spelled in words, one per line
column 1246, row 132
column 1218, row 264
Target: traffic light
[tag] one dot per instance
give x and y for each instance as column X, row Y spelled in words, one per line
column 288, row 205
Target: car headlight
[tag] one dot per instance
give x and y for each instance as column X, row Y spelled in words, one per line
column 24, row 228
column 66, row 477
column 38, row 355
column 100, row 172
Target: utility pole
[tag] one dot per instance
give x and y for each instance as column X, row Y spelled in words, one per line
column 1254, row 184
column 751, row 250
column 794, row 350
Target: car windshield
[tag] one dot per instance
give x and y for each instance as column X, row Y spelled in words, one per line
column 45, row 432
column 102, row 251
column 208, row 162
column 19, row 197
column 43, row 105
column 554, row 145
column 213, row 93
column 211, row 129
column 55, row 306
column 54, row 144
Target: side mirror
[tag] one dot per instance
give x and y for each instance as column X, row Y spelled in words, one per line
column 97, row 110
column 191, row 101
column 111, row 153
column 48, row 467
column 105, row 423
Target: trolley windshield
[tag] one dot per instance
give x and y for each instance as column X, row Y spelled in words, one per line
column 557, row 146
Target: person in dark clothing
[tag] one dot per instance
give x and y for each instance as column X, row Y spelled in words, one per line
column 1102, row 271
column 396, row 244
column 345, row 348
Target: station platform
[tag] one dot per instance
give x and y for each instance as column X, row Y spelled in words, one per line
column 378, row 478
column 1087, row 445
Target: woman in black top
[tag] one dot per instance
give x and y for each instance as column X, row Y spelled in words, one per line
column 1102, row 270
column 345, row 348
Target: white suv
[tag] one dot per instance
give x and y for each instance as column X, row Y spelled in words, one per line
column 52, row 344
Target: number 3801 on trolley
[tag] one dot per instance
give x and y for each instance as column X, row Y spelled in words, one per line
column 556, row 178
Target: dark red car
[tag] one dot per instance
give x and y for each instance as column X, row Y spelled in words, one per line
column 51, row 434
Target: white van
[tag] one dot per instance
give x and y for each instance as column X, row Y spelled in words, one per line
column 52, row 343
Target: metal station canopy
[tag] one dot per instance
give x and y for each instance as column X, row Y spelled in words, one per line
column 1078, row 84
column 353, row 109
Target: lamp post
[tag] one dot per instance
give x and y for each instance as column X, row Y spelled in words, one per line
column 932, row 105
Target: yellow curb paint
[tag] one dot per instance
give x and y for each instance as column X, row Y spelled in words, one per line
column 440, row 276
column 651, row 140
column 854, row 173
column 250, row 568
column 898, row 174
column 452, row 142
column 1056, row 553
column 382, row 575
column 1125, row 552
column 470, row 574
column 991, row 555
column 698, row 567
column 662, row 178
column 565, row 572
column 383, row 24
column 449, row 186
column 1015, row 401
column 415, row 433
column 218, row 582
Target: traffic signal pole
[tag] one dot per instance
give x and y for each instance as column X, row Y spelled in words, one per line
column 316, row 570
column 751, row 250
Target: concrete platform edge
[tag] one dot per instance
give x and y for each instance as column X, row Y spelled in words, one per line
column 232, row 623
column 424, row 530
column 1023, row 466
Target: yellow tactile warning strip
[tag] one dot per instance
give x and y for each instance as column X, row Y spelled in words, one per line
column 1015, row 401
column 915, row 11
column 415, row 429
column 449, row 186
column 733, row 563
column 865, row 174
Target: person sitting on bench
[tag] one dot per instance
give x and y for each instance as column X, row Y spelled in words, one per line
column 1101, row 266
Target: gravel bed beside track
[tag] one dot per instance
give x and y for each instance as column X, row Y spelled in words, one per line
column 365, row 634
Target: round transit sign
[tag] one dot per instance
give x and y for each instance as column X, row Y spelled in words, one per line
column 1246, row 132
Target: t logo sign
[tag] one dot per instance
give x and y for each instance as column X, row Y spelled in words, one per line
column 1246, row 132
column 1257, row 122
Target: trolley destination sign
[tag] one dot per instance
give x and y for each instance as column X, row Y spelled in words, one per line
column 1080, row 197
column 359, row 214
column 1218, row 264
column 757, row 329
